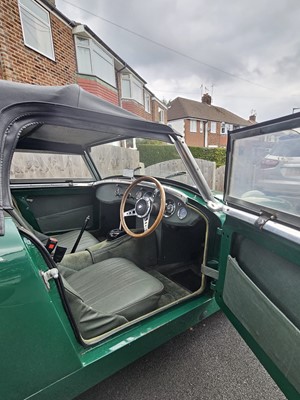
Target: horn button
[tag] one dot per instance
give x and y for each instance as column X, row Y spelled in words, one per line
column 142, row 207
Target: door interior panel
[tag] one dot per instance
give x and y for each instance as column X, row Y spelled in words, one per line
column 275, row 332
column 54, row 210
column 278, row 278
column 259, row 291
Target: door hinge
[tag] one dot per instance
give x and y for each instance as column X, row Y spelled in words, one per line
column 211, row 272
column 50, row 274
column 263, row 219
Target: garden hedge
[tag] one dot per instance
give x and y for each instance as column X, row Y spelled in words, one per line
column 152, row 154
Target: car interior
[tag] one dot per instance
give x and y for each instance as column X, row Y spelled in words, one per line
column 114, row 277
column 125, row 248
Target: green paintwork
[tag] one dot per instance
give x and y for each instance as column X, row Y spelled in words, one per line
column 35, row 344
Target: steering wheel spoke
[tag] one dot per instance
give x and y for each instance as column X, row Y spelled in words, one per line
column 146, row 222
column 130, row 213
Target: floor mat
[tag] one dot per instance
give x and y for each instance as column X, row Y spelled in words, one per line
column 171, row 292
column 188, row 279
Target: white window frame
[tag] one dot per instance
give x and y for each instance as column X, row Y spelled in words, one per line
column 201, row 126
column 133, row 81
column 223, row 128
column 147, row 102
column 193, row 125
column 161, row 115
column 213, row 127
column 46, row 24
column 95, row 50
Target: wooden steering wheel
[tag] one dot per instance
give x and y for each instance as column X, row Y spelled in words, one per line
column 143, row 208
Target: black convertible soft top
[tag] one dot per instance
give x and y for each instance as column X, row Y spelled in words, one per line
column 62, row 119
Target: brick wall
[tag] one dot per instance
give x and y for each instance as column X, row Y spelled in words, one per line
column 195, row 139
column 136, row 108
column 22, row 64
column 99, row 89
column 155, row 111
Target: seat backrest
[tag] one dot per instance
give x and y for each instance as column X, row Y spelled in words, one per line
column 22, row 221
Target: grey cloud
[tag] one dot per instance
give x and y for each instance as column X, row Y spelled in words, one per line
column 257, row 41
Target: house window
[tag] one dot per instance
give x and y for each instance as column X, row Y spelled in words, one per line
column 126, row 90
column 147, row 102
column 201, row 127
column 94, row 60
column 132, row 88
column 223, row 128
column 36, row 28
column 193, row 125
column 213, row 127
column 161, row 115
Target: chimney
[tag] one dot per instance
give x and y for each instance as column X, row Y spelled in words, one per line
column 252, row 118
column 206, row 98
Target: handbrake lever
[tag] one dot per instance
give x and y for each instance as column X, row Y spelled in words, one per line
column 86, row 221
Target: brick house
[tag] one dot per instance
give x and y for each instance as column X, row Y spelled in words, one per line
column 203, row 124
column 40, row 45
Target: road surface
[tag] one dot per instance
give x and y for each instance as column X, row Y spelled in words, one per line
column 208, row 362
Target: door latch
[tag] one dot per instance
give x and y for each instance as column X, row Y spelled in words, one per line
column 50, row 274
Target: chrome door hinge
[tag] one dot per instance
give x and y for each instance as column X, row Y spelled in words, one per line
column 50, row 274
column 211, row 272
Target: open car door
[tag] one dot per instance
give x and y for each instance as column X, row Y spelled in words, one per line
column 259, row 279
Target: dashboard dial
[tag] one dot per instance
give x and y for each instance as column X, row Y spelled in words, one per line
column 182, row 213
column 170, row 208
column 139, row 194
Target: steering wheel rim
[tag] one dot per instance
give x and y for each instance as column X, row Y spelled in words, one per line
column 146, row 215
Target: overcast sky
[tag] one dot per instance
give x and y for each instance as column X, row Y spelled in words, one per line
column 255, row 43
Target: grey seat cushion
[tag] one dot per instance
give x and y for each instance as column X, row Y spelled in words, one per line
column 68, row 240
column 117, row 286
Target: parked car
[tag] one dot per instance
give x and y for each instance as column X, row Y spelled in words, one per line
column 279, row 171
column 99, row 265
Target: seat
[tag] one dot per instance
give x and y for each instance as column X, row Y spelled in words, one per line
column 68, row 239
column 108, row 294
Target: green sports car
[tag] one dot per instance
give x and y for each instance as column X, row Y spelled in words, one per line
column 102, row 258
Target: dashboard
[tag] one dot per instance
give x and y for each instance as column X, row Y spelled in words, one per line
column 177, row 211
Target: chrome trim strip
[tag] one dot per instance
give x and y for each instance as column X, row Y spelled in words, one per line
column 274, row 227
column 49, row 185
column 197, row 176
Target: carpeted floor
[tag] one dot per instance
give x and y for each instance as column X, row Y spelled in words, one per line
column 172, row 290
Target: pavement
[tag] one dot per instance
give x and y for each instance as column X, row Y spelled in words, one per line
column 210, row 361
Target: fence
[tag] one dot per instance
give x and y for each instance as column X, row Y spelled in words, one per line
column 214, row 176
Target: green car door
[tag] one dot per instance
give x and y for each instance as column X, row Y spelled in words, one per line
column 259, row 277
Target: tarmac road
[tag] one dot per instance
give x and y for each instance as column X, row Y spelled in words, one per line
column 210, row 361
